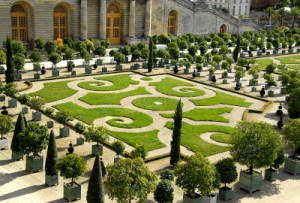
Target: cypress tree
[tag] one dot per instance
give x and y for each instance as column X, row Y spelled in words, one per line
column 19, row 127
column 103, row 169
column 95, row 193
column 9, row 73
column 175, row 143
column 51, row 160
column 150, row 59
column 237, row 49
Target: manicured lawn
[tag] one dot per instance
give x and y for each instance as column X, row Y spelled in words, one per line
column 119, row 82
column 221, row 137
column 88, row 116
column 55, row 91
column 146, row 78
column 147, row 139
column 199, row 114
column 166, row 85
column 156, row 103
column 111, row 98
column 264, row 62
column 293, row 59
column 222, row 98
column 190, row 138
column 294, row 67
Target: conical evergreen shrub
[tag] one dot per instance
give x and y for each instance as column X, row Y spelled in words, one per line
column 51, row 159
column 95, row 193
column 103, row 169
column 19, row 127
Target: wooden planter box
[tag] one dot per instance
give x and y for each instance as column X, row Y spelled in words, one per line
column 50, row 124
column 270, row 93
column 292, row 166
column 187, row 199
column 253, row 89
column 275, row 51
column 2, row 98
column 4, row 144
column 36, row 116
column 291, row 50
column 79, row 141
column 64, row 132
column 118, row 67
column 12, row 103
column 88, row 70
column 34, row 164
column 283, row 51
column 16, row 156
column 259, row 53
column 104, row 69
column 55, row 73
column 72, row 193
column 25, row 110
column 97, row 149
column 271, row 174
column 18, row 76
column 99, row 62
column 51, row 180
column 37, row 76
column 225, row 193
column 249, row 182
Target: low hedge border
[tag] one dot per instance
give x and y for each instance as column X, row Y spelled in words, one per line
column 29, row 86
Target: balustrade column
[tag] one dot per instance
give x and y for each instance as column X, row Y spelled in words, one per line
column 102, row 19
column 132, row 19
column 148, row 16
column 83, row 20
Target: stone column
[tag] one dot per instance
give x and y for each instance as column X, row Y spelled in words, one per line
column 83, row 20
column 148, row 16
column 132, row 19
column 102, row 25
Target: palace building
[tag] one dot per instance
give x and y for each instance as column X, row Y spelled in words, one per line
column 119, row 21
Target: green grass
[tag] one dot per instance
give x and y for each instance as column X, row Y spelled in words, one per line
column 88, row 116
column 190, row 138
column 119, row 82
column 111, row 98
column 55, row 91
column 199, row 114
column 294, row 67
column 221, row 137
column 264, row 62
column 149, row 103
column 147, row 139
column 166, row 86
column 146, row 78
column 222, row 98
column 293, row 59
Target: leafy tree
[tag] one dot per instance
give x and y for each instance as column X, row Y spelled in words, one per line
column 34, row 139
column 19, row 61
column 196, row 174
column 193, row 50
column 63, row 117
column 118, row 147
column 10, row 67
column 227, row 170
column 126, row 50
column 10, row 89
column 150, row 57
column 89, row 45
column 145, row 53
column 281, row 12
column 86, row 56
column 17, row 47
column 271, row 68
column 19, row 128
column 6, row 124
column 255, row 144
column 69, row 53
column 136, row 54
column 129, row 179
column 270, row 12
column 295, row 12
column 175, row 143
column 55, row 58
column 36, row 56
column 139, row 151
column 95, row 193
column 50, row 47
column 71, row 166
column 294, row 104
column 164, row 192
column 291, row 131
column 39, row 43
column 2, row 57
column 51, row 159
column 237, row 49
column 96, row 134
column 119, row 57
column 80, row 128
column 167, row 174
column 101, row 51
column 217, row 59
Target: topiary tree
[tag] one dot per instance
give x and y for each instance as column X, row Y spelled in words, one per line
column 63, row 117
column 175, row 143
column 126, row 50
column 227, row 170
column 95, row 192
column 100, row 51
column 55, row 58
column 237, row 49
column 150, row 56
column 51, row 159
column 6, row 124
column 136, row 54
column 2, row 57
column 17, row 47
column 119, row 57
column 86, row 56
column 139, row 151
column 15, row 142
column 167, row 174
column 271, row 68
column 291, row 131
column 164, row 192
column 10, row 68
column 39, row 43
column 19, row 61
column 80, row 128
column 129, row 179
column 118, row 147
column 96, row 134
column 293, row 104
column 50, row 47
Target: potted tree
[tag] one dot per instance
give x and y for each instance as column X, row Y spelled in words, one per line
column 80, row 128
column 55, row 58
column 291, row 131
column 24, row 99
column 71, row 166
column 119, row 58
column 17, row 152
column 272, row 172
column 51, row 175
column 254, row 70
column 164, row 192
column 63, row 118
column 10, row 89
column 119, row 148
column 87, row 58
column 36, row 103
column 36, row 57
column 98, row 135
column 217, row 59
column 32, row 141
column 6, row 124
column 197, row 174
column 2, row 96
column 254, row 144
column 228, row 174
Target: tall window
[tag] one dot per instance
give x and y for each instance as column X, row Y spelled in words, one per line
column 172, row 23
column 113, row 24
column 60, row 20
column 19, row 23
column 223, row 29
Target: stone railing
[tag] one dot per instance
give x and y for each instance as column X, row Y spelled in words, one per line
column 186, row 3
column 252, row 23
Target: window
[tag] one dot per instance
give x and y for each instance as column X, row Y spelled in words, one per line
column 60, row 22
column 19, row 23
column 172, row 23
column 233, row 10
column 240, row 10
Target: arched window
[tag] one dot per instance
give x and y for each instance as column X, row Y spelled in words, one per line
column 172, row 23
column 223, row 29
column 113, row 24
column 60, row 22
column 19, row 23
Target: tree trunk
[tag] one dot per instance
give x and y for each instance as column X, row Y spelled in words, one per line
column 294, row 19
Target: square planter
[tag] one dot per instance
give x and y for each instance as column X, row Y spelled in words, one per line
column 50, row 124
column 225, row 193
column 37, row 76
column 72, row 192
column 2, row 98
column 18, row 76
column 217, row 66
column 136, row 66
column 283, row 51
column 36, row 116
column 270, row 93
column 145, row 65
column 224, row 81
column 55, row 73
column 4, row 144
column 292, row 166
column 283, row 90
column 34, row 164
column 97, row 149
column 275, row 51
column 73, row 72
column 16, row 156
column 271, row 174
column 249, row 182
column 25, row 110
column 99, row 62
column 64, row 132
column 51, row 180
column 104, row 69
column 187, row 199
column 259, row 53
column 268, row 53
column 118, row 67
column 291, row 50
column 12, row 103
column 253, row 89
column 298, row 50
column 212, row 199
column 186, row 71
column 198, row 74
column 88, row 70
column 79, row 141
column 161, row 64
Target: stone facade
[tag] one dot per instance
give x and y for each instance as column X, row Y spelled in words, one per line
column 87, row 19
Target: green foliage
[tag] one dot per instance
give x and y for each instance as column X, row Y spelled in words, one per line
column 129, row 179
column 19, row 128
column 39, row 43
column 227, row 170
column 195, row 175
column 51, row 159
column 126, row 50
column 105, row 43
column 79, row 46
column 71, row 166
column 255, row 144
column 279, row 159
column 24, row 98
column 163, row 38
column 10, row 68
column 55, row 58
column 6, row 124
column 69, row 54
column 193, row 50
column 95, row 192
column 68, row 41
column 36, row 56
column 139, row 151
column 175, row 143
column 119, row 57
column 85, row 55
column 96, row 134
column 291, row 131
column 199, row 59
column 237, row 49
column 271, row 68
column 50, row 47
column 80, row 127
column 10, row 89
column 37, row 67
column 164, row 192
column 2, row 57
column 101, row 51
column 145, row 53
column 34, row 139
column 293, row 104
column 167, row 175
column 150, row 56
column 217, row 59
column 63, row 117
column 19, row 61
column 118, row 147
column 36, row 102
column 136, row 54
column 17, row 47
